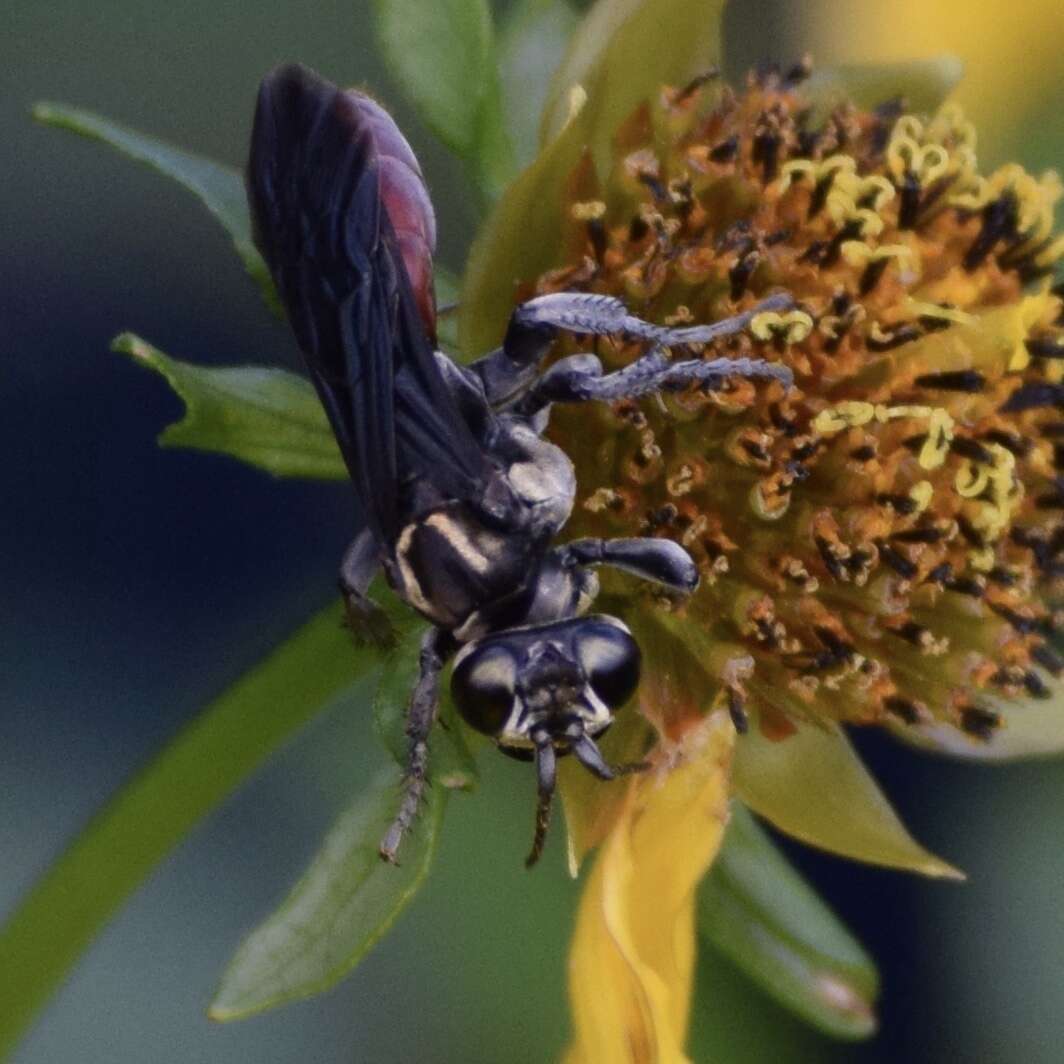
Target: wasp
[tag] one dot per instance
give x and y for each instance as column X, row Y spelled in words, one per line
column 462, row 497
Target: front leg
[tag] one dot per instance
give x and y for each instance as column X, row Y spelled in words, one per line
column 659, row 560
column 420, row 716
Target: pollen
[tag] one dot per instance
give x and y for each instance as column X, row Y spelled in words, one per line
column 880, row 542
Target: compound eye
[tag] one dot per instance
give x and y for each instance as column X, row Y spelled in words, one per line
column 482, row 686
column 610, row 657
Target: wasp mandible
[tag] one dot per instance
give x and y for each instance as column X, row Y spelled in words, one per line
column 461, row 495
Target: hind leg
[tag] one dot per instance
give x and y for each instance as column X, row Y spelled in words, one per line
column 420, row 716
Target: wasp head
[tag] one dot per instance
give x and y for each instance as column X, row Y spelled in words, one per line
column 547, row 684
column 547, row 690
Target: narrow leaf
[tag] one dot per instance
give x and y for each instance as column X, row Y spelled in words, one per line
column 450, row 762
column 220, row 188
column 269, row 418
column 924, row 84
column 345, row 901
column 812, row 785
column 442, row 55
column 532, row 42
column 152, row 813
column 623, row 52
column 758, row 911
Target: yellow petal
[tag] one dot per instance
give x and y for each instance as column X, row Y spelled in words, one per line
column 632, row 958
column 591, row 806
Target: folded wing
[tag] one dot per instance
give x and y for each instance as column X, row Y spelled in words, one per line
column 342, row 217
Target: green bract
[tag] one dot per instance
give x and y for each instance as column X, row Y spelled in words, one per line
column 268, row 418
column 758, row 911
column 344, row 902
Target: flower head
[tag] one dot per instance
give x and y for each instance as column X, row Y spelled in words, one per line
column 878, row 543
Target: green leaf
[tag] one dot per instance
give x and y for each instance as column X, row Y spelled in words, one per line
column 220, row 188
column 443, row 57
column 151, row 814
column 812, row 785
column 268, row 418
column 758, row 911
column 924, row 84
column 623, row 52
column 344, row 902
column 451, row 764
column 520, row 240
column 1030, row 728
column 532, row 42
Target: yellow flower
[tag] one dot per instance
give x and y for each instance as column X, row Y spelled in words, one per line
column 879, row 545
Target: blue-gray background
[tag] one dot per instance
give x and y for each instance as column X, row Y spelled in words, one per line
column 135, row 583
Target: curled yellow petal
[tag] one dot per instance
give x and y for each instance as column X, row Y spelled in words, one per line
column 591, row 806
column 632, row 958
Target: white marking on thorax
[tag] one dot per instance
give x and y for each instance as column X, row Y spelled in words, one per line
column 462, row 543
column 534, row 483
column 411, row 588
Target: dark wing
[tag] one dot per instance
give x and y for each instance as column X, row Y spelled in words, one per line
column 343, row 220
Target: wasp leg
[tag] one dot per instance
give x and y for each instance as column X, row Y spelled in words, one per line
column 369, row 624
column 569, row 381
column 546, row 776
column 659, row 560
column 420, row 716
column 510, row 370
column 649, row 375
column 534, row 325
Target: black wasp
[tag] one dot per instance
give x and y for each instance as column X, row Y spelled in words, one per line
column 461, row 495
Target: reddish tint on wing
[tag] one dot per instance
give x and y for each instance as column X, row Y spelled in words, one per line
column 407, row 202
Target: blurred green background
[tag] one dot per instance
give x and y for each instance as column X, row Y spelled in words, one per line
column 137, row 583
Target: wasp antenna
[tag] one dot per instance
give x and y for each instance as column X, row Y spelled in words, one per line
column 546, row 765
